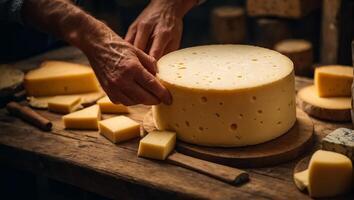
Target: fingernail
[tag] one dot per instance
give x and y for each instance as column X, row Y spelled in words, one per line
column 168, row 99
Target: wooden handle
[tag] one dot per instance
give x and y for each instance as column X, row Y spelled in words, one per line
column 224, row 173
column 29, row 115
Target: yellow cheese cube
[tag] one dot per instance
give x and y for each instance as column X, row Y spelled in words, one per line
column 157, row 145
column 118, row 129
column 64, row 104
column 60, row 78
column 83, row 119
column 334, row 81
column 110, row 108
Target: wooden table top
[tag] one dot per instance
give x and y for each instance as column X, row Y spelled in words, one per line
column 89, row 161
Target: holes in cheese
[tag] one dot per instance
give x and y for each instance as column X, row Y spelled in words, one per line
column 157, row 145
column 119, row 129
column 83, row 119
column 334, row 81
column 110, row 108
column 60, row 78
column 211, row 97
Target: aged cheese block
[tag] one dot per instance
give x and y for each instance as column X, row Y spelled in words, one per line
column 341, row 141
column 110, row 108
column 157, row 145
column 64, row 104
column 334, row 81
column 119, row 129
column 60, row 78
column 329, row 174
column 83, row 119
column 228, row 24
column 300, row 52
column 283, row 8
column 226, row 95
column 327, row 108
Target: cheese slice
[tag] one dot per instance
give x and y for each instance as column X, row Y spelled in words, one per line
column 64, row 104
column 119, row 129
column 334, row 81
column 110, row 108
column 329, row 174
column 83, row 119
column 60, row 78
column 157, row 145
column 226, row 95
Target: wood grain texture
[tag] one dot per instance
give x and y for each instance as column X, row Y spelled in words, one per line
column 89, row 161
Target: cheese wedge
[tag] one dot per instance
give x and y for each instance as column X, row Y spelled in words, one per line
column 60, row 78
column 110, row 108
column 64, row 104
column 157, row 145
column 301, row 179
column 119, row 129
column 334, row 81
column 83, row 119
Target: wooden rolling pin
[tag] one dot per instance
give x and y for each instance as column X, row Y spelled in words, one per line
column 29, row 115
column 224, row 173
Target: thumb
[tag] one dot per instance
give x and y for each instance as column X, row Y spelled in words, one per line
column 147, row 61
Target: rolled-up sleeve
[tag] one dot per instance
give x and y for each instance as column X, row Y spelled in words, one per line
column 10, row 10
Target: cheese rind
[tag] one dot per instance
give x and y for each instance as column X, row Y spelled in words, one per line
column 83, row 119
column 341, row 141
column 60, row 78
column 64, row 104
column 110, row 108
column 226, row 95
column 157, row 145
column 119, row 129
column 334, row 81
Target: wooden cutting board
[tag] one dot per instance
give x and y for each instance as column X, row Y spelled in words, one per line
column 282, row 149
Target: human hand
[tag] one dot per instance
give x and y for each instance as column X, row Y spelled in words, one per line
column 158, row 29
column 125, row 72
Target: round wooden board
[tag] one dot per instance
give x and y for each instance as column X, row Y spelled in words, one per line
column 284, row 148
column 302, row 164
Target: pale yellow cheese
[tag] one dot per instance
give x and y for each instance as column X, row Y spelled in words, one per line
column 227, row 95
column 329, row 174
column 309, row 95
column 110, row 108
column 60, row 78
column 119, row 129
column 157, row 145
column 83, row 119
column 334, row 81
column 64, row 104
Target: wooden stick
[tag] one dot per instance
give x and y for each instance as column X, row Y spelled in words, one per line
column 226, row 174
column 29, row 115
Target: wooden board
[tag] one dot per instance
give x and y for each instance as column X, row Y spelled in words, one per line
column 282, row 149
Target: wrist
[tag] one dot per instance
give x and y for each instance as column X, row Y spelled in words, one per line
column 179, row 7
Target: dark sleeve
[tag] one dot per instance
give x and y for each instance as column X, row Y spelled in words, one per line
column 10, row 10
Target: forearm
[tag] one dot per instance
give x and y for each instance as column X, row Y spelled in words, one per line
column 64, row 20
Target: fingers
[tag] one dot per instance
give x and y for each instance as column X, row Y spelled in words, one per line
column 158, row 45
column 152, row 85
column 118, row 97
column 142, row 35
column 130, row 36
column 139, row 95
column 147, row 61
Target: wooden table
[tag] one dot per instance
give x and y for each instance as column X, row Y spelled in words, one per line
column 89, row 161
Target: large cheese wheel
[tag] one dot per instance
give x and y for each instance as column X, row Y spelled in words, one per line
column 227, row 95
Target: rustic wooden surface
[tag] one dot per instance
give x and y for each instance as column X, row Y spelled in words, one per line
column 282, row 149
column 89, row 161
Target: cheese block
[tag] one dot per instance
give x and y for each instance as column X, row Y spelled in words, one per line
column 329, row 174
column 330, row 108
column 228, row 24
column 119, row 129
column 87, row 99
column 83, row 119
column 157, row 145
column 60, row 78
column 334, row 81
column 300, row 52
column 341, row 141
column 285, row 8
column 64, row 104
column 110, row 108
column 226, row 95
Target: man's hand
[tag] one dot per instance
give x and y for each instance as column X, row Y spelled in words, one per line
column 158, row 29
